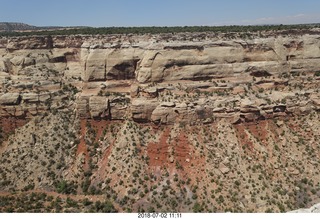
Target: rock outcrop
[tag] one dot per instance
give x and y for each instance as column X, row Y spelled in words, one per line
column 314, row 209
column 163, row 78
column 98, row 106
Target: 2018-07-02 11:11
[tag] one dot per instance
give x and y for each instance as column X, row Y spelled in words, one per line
column 159, row 215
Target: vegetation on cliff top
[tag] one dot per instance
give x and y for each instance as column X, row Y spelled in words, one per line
column 165, row 29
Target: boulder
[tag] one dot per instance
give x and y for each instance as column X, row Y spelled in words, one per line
column 119, row 108
column 315, row 99
column 10, row 99
column 163, row 115
column 27, row 61
column 98, row 107
column 142, row 109
column 17, row 60
column 134, row 90
column 151, row 92
column 224, row 169
column 3, row 65
column 235, row 118
column 30, row 97
column 247, row 106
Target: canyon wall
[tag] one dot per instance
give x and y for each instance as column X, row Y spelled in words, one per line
column 163, row 78
column 183, row 122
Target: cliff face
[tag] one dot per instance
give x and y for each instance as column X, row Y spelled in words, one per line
column 188, row 120
column 33, row 70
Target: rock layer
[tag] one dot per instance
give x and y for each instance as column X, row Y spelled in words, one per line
column 40, row 73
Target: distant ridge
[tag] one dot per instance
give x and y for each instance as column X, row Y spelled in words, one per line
column 15, row 26
column 22, row 27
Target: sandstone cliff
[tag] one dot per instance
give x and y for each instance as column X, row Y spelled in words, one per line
column 34, row 72
column 188, row 120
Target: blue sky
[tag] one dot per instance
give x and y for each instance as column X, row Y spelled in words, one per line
column 100, row 13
